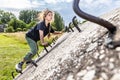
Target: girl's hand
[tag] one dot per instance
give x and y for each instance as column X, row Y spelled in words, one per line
column 58, row 32
column 45, row 44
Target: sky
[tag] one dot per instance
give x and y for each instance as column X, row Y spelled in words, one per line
column 64, row 7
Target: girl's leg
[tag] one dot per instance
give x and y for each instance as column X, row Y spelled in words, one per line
column 34, row 49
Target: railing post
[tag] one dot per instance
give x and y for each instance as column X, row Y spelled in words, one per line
column 67, row 29
column 76, row 25
column 71, row 27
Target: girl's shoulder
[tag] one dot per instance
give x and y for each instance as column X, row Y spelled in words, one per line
column 42, row 23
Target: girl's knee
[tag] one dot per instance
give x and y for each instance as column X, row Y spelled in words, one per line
column 34, row 51
column 28, row 56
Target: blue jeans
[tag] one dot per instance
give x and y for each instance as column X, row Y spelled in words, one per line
column 34, row 49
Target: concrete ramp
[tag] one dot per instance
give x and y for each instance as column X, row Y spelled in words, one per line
column 79, row 56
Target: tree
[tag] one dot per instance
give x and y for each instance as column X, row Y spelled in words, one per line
column 0, row 22
column 58, row 23
column 28, row 15
column 5, row 17
column 31, row 24
column 17, row 24
column 10, row 29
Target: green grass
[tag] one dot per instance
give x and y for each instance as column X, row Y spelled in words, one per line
column 11, row 52
column 13, row 48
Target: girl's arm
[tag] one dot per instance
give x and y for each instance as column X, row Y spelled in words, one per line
column 57, row 32
column 42, row 38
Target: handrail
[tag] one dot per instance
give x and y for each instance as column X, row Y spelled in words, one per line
column 91, row 18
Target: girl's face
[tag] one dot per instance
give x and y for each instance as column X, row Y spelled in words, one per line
column 49, row 16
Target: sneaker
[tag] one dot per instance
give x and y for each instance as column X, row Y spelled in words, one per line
column 31, row 62
column 19, row 66
column 28, row 62
column 34, row 63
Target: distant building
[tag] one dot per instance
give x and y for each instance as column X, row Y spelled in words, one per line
column 2, row 27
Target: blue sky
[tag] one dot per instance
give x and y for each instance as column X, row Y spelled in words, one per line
column 64, row 7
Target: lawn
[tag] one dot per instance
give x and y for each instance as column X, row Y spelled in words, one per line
column 13, row 47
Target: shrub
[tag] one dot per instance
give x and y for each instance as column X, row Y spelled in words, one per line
column 0, row 22
column 24, row 29
column 10, row 29
column 18, row 29
column 31, row 24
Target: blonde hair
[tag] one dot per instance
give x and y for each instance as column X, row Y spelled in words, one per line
column 43, row 14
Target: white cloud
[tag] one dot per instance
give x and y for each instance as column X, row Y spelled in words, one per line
column 93, row 3
column 96, row 3
column 98, row 7
column 37, row 4
column 56, row 1
column 95, row 7
column 68, row 0
column 18, row 4
column 117, row 3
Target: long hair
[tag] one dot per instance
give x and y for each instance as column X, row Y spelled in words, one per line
column 43, row 14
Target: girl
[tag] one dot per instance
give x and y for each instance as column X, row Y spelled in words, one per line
column 35, row 34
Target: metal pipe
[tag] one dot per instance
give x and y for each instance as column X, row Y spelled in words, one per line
column 73, row 20
column 46, row 49
column 71, row 27
column 94, row 19
column 67, row 29
column 12, row 75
